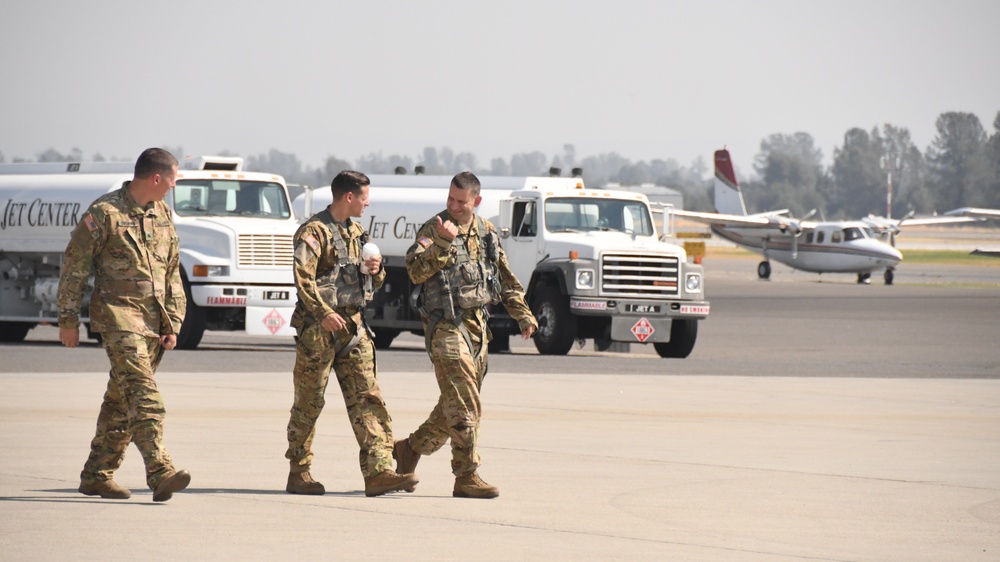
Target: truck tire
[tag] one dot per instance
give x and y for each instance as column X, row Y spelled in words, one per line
column 683, row 334
column 193, row 327
column 13, row 332
column 556, row 325
column 384, row 337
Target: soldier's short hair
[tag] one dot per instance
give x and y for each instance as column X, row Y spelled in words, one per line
column 154, row 161
column 467, row 180
column 348, row 181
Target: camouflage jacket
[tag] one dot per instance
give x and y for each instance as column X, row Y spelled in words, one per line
column 431, row 254
column 135, row 258
column 320, row 276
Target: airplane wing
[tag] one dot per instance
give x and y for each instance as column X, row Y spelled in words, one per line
column 720, row 219
column 975, row 212
column 769, row 220
column 882, row 224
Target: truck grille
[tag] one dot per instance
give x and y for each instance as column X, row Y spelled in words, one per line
column 639, row 275
column 265, row 250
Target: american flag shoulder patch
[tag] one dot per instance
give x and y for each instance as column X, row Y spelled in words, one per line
column 89, row 222
column 424, row 241
column 313, row 243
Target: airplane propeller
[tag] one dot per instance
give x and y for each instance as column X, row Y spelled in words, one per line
column 796, row 229
column 894, row 229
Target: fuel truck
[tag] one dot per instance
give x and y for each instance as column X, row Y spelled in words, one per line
column 235, row 230
column 590, row 260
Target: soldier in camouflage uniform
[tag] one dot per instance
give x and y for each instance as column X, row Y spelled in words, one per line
column 332, row 293
column 137, row 305
column 458, row 260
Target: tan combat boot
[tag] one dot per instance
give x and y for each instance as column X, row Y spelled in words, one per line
column 388, row 481
column 472, row 486
column 303, row 483
column 107, row 489
column 406, row 459
column 172, row 483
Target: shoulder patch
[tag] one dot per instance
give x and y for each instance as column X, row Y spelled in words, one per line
column 313, row 243
column 424, row 241
column 91, row 225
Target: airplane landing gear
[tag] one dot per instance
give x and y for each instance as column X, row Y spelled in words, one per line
column 764, row 269
column 888, row 276
column 864, row 278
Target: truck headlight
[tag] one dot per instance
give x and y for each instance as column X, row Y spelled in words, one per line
column 210, row 271
column 585, row 279
column 692, row 282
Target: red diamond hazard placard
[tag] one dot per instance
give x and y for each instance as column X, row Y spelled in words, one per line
column 274, row 321
column 642, row 330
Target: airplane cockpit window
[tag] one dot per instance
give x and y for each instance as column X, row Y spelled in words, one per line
column 853, row 233
column 868, row 232
column 835, row 237
column 819, row 237
column 809, row 238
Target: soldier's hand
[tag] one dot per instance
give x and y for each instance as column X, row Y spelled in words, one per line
column 169, row 341
column 373, row 264
column 70, row 337
column 446, row 230
column 333, row 322
column 527, row 332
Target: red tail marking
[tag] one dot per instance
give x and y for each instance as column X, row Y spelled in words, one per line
column 724, row 169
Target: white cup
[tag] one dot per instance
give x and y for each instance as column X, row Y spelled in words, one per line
column 368, row 251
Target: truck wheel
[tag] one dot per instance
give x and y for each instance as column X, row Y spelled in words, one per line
column 683, row 334
column 556, row 325
column 14, row 331
column 193, row 327
column 384, row 337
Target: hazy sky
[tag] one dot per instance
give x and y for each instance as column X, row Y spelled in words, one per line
column 647, row 79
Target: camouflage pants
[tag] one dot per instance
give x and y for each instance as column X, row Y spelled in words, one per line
column 132, row 411
column 459, row 371
column 315, row 352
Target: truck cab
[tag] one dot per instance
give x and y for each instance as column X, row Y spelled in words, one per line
column 595, row 268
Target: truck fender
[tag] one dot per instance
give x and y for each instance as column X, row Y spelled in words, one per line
column 548, row 275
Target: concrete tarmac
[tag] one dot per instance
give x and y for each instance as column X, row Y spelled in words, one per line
column 631, row 461
column 601, row 467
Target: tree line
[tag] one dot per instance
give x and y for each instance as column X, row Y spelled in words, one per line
column 960, row 168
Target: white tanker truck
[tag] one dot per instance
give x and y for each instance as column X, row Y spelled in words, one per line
column 590, row 261
column 235, row 230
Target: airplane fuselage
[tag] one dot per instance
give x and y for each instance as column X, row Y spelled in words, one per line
column 819, row 250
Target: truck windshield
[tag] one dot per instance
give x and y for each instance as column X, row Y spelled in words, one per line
column 230, row 198
column 579, row 214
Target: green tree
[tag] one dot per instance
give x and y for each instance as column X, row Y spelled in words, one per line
column 529, row 164
column 957, row 161
column 859, row 181
column 601, row 169
column 791, row 173
column 993, row 155
column 285, row 164
column 906, row 164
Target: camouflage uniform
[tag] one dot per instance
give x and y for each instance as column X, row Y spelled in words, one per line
column 328, row 282
column 457, row 345
column 137, row 297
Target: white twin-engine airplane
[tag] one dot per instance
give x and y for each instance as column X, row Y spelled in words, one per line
column 860, row 247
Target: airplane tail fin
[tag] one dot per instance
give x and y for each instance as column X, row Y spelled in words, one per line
column 728, row 197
